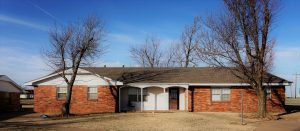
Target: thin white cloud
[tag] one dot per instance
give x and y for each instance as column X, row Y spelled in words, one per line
column 286, row 64
column 21, row 66
column 121, row 38
column 287, row 60
column 44, row 11
column 30, row 24
column 288, row 52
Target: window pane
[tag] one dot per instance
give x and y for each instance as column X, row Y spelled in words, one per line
column 132, row 98
column 93, row 90
column 62, row 95
column 225, row 97
column 225, row 91
column 132, row 91
column 62, row 90
column 93, row 96
column 216, row 97
column 216, row 91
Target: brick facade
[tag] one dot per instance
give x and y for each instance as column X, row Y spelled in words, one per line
column 9, row 101
column 45, row 100
column 200, row 100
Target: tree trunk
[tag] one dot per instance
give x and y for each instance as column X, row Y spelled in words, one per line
column 67, row 105
column 261, row 95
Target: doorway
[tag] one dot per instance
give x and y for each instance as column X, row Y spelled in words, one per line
column 173, row 98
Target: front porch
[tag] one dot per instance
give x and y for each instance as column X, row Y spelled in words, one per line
column 140, row 97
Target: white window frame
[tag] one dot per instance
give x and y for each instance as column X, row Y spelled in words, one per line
column 58, row 91
column 132, row 91
column 89, row 93
column 269, row 92
column 221, row 90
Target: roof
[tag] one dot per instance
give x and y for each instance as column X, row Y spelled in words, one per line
column 174, row 75
column 7, row 84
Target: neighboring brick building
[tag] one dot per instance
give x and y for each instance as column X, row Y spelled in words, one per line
column 146, row 89
column 9, row 95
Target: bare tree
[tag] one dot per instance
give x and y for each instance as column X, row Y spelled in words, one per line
column 240, row 39
column 148, row 54
column 184, row 51
column 74, row 46
column 169, row 57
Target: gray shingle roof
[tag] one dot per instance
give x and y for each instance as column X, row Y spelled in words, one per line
column 173, row 75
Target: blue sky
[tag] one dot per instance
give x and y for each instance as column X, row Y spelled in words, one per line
column 24, row 25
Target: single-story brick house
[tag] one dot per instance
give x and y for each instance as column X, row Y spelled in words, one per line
column 9, row 95
column 197, row 89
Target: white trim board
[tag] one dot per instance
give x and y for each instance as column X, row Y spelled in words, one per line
column 84, row 77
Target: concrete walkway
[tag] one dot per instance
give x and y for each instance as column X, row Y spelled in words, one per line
column 279, row 126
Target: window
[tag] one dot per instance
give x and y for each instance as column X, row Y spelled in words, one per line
column 134, row 94
column 220, row 94
column 92, row 93
column 173, row 94
column 61, row 92
column 268, row 90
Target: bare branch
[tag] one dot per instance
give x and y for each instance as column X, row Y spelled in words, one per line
column 184, row 51
column 239, row 40
column 72, row 47
column 148, row 54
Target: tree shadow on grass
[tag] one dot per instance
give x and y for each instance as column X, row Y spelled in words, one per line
column 290, row 109
column 9, row 115
column 32, row 126
column 49, row 123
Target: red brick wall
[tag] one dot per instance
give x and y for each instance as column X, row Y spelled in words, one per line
column 9, row 104
column 200, row 100
column 45, row 100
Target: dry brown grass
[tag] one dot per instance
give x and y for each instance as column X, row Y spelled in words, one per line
column 131, row 121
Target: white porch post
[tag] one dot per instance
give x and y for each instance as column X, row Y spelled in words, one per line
column 142, row 103
column 187, row 99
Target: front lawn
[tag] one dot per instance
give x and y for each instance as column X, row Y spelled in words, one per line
column 133, row 121
column 130, row 121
